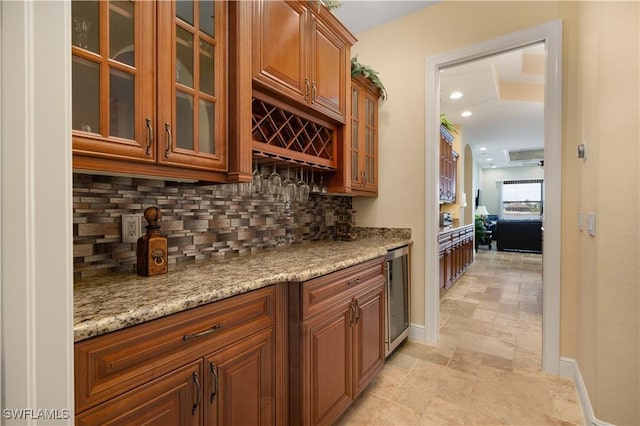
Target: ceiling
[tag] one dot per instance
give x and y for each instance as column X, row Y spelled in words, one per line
column 504, row 92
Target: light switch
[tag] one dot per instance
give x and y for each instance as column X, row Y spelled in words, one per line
column 580, row 221
column 591, row 224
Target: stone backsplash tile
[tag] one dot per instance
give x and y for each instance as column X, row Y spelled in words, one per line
column 199, row 221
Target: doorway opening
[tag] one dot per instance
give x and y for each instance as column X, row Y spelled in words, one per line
column 550, row 35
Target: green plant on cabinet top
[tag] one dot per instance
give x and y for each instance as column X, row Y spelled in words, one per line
column 369, row 73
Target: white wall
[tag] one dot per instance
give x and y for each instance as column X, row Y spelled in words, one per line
column 489, row 190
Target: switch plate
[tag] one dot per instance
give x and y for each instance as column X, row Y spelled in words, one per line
column 131, row 227
column 591, row 224
column 329, row 218
column 582, row 151
column 580, row 221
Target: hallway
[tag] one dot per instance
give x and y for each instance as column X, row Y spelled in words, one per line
column 486, row 367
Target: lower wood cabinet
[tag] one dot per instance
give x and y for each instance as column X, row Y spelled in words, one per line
column 218, row 364
column 336, row 341
column 455, row 254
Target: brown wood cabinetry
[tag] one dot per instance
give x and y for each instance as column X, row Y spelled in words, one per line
column 448, row 167
column 364, row 136
column 455, row 254
column 302, row 52
column 336, row 344
column 215, row 364
column 150, row 88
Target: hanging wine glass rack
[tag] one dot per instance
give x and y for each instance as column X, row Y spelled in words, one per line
column 284, row 136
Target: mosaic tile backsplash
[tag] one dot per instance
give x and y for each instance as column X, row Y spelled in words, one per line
column 199, row 221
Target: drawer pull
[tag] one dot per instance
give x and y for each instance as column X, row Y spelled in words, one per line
column 214, row 372
column 354, row 281
column 202, row 333
column 357, row 311
column 197, row 383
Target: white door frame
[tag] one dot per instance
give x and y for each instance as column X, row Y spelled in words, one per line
column 551, row 34
column 36, row 229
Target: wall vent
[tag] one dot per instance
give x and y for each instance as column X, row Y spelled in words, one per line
column 526, row 154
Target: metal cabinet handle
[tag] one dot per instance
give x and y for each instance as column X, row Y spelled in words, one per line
column 197, row 383
column 214, row 372
column 313, row 91
column 354, row 281
column 352, row 311
column 357, row 310
column 167, row 128
column 202, row 333
column 306, row 92
column 149, row 136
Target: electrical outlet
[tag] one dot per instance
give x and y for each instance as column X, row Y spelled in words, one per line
column 131, row 227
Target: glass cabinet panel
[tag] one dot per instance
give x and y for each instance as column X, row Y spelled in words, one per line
column 85, row 18
column 184, row 57
column 206, row 68
column 85, row 95
column 184, row 10
column 121, row 104
column 121, row 26
column 207, row 126
column 355, row 131
column 369, row 137
column 106, row 96
column 207, row 18
column 184, row 121
column 195, row 76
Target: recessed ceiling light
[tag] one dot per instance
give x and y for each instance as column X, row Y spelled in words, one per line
column 483, row 148
column 466, row 114
column 494, row 167
column 489, row 159
column 455, row 95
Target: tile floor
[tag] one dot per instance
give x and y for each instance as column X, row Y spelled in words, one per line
column 486, row 367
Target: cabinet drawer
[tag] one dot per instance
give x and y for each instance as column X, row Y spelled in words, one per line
column 320, row 293
column 108, row 365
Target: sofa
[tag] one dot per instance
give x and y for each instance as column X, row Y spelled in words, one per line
column 519, row 235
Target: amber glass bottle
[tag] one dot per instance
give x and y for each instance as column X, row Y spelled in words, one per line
column 152, row 248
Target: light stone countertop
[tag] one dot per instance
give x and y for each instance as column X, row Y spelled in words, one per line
column 114, row 301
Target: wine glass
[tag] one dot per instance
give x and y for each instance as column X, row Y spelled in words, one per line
column 314, row 186
column 288, row 188
column 257, row 179
column 303, row 188
column 275, row 182
column 323, row 187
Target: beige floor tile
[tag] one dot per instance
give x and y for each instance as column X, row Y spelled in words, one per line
column 486, row 367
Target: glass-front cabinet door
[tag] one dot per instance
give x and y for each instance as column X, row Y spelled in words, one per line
column 149, row 86
column 113, row 104
column 364, row 136
column 192, row 84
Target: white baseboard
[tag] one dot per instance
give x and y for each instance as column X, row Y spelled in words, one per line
column 417, row 333
column 569, row 368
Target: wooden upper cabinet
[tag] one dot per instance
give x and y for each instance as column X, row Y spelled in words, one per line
column 301, row 52
column 357, row 172
column 448, row 167
column 364, row 136
column 192, row 88
column 149, row 88
column 113, row 89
